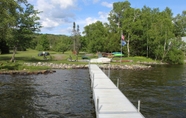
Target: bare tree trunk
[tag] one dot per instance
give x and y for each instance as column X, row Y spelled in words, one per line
column 128, row 44
column 164, row 48
column 13, row 56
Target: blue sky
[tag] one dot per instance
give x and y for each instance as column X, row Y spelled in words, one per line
column 57, row 16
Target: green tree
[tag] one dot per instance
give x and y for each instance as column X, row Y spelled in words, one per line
column 180, row 24
column 176, row 52
column 95, row 37
column 127, row 22
column 43, row 43
column 148, row 32
column 7, row 19
column 63, row 44
column 133, row 29
column 25, row 25
column 115, row 19
column 146, row 20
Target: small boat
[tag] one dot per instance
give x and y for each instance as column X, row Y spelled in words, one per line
column 101, row 60
column 117, row 54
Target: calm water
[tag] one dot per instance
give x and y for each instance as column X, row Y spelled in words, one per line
column 67, row 93
column 162, row 90
column 64, row 94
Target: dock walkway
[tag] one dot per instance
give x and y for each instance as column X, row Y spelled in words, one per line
column 109, row 101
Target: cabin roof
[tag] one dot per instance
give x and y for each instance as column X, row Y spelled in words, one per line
column 183, row 39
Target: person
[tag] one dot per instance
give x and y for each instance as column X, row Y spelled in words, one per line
column 70, row 58
column 44, row 56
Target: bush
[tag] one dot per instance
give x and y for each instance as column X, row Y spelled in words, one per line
column 175, row 57
column 39, row 47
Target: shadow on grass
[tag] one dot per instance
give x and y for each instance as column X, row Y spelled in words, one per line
column 36, row 59
column 24, row 59
column 10, row 66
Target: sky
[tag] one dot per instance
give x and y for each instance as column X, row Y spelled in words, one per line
column 57, row 16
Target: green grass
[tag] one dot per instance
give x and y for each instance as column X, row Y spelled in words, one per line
column 140, row 59
column 31, row 56
column 19, row 66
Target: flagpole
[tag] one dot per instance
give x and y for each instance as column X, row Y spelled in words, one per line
column 121, row 47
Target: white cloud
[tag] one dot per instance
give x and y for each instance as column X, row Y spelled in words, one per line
column 90, row 20
column 103, row 15
column 64, row 4
column 96, row 1
column 55, row 12
column 67, row 30
column 106, row 4
column 88, row 2
column 48, row 23
column 58, row 15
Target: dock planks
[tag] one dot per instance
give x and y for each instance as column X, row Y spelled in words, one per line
column 109, row 101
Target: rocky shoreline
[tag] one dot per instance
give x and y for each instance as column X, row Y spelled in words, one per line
column 24, row 72
column 85, row 66
column 72, row 66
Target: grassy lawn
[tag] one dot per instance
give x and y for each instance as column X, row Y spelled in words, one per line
column 31, row 56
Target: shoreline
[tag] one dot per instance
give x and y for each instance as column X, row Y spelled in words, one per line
column 85, row 66
column 71, row 66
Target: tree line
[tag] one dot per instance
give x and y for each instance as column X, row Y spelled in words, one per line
column 147, row 32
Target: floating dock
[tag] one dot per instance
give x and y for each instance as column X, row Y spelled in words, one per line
column 109, row 101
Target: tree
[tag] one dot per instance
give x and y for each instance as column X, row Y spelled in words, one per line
column 43, row 43
column 127, row 20
column 175, row 54
column 7, row 19
column 76, row 39
column 146, row 20
column 133, row 28
column 63, row 44
column 148, row 32
column 116, row 18
column 25, row 25
column 180, row 24
column 95, row 37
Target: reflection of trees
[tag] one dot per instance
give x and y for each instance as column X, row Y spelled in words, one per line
column 16, row 98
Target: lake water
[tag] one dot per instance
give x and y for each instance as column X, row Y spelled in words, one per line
column 67, row 93
column 64, row 94
column 161, row 90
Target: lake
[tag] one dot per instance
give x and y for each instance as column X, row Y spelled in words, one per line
column 67, row 93
column 161, row 90
column 64, row 94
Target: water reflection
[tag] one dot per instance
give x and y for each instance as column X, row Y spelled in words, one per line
column 16, row 97
column 162, row 90
column 64, row 94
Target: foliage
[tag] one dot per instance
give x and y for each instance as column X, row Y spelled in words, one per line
column 43, row 43
column 63, row 45
column 96, row 35
column 58, row 43
column 180, row 24
column 178, row 59
column 148, row 32
column 7, row 19
column 19, row 22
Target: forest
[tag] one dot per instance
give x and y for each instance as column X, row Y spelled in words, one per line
column 146, row 32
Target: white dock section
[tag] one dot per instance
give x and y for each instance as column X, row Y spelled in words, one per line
column 109, row 101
